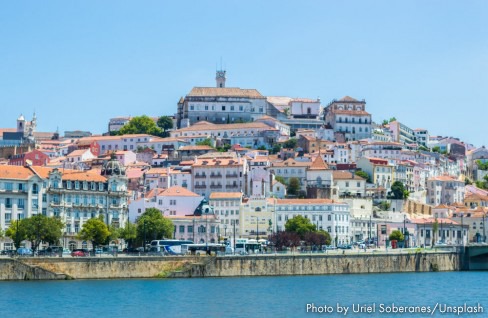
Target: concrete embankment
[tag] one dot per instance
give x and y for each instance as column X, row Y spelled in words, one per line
column 227, row 266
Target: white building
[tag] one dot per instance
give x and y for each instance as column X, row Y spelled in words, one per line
column 329, row 215
column 220, row 104
column 72, row 195
column 348, row 117
column 253, row 134
column 379, row 170
column 226, row 206
column 445, row 190
column 222, row 173
column 173, row 201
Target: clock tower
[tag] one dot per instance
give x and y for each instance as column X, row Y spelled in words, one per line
column 220, row 78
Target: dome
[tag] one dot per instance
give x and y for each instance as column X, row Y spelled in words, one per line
column 21, row 118
column 113, row 167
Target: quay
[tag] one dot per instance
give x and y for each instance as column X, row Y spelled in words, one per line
column 350, row 262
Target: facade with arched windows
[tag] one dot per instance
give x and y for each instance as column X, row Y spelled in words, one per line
column 348, row 117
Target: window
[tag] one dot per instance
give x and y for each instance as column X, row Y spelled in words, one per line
column 9, row 186
column 232, row 108
column 182, row 229
column 20, row 203
column 35, row 203
column 8, row 203
column 21, row 186
column 77, row 185
column 35, row 188
column 223, row 108
column 241, row 108
column 172, row 202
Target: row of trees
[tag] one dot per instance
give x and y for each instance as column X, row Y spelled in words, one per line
column 36, row 229
column 300, row 230
column 145, row 125
column 39, row 228
column 150, row 225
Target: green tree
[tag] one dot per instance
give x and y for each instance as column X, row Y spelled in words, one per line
column 385, row 122
column 384, row 205
column 293, row 186
column 396, row 235
column 436, row 149
column 129, row 233
column 17, row 232
column 290, row 143
column 205, row 142
column 280, row 179
column 166, row 124
column 363, row 175
column 40, row 228
column 392, row 119
column 300, row 225
column 423, row 148
column 154, row 226
column 398, row 191
column 276, row 148
column 482, row 165
column 141, row 125
column 95, row 231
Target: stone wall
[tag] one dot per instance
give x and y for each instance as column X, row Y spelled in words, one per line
column 109, row 267
column 333, row 264
column 261, row 265
column 12, row 269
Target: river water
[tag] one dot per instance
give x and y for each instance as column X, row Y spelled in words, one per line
column 286, row 296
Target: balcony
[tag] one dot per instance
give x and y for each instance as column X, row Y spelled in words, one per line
column 235, row 175
column 200, row 176
column 200, row 186
column 216, row 186
column 215, row 176
column 231, row 186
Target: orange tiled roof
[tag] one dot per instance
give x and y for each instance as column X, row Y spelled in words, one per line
column 345, row 175
column 318, row 164
column 347, row 99
column 177, row 191
column 290, row 162
column 225, row 195
column 15, row 172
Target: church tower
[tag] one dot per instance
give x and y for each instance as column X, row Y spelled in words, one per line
column 21, row 124
column 220, row 78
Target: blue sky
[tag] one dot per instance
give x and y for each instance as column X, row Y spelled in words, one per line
column 78, row 63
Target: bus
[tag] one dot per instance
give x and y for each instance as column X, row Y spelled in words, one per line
column 247, row 246
column 168, row 247
column 201, row 249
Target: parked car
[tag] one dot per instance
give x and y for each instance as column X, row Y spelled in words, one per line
column 23, row 251
column 80, row 253
column 66, row 252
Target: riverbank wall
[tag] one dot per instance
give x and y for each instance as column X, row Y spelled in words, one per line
column 226, row 266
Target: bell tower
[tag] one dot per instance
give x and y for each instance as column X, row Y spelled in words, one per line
column 220, row 79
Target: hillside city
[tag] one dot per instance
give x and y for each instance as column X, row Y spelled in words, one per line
column 233, row 164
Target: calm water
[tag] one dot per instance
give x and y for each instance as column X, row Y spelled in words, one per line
column 240, row 297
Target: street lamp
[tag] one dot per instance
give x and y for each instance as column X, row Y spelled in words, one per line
column 257, row 227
